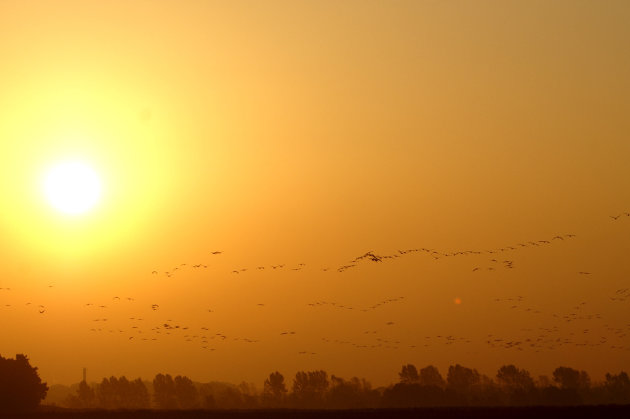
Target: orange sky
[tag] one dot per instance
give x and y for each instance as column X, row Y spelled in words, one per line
column 288, row 133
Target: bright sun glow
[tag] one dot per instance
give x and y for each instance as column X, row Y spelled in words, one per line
column 72, row 187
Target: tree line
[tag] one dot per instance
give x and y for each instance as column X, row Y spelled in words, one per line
column 425, row 387
column 22, row 388
column 20, row 385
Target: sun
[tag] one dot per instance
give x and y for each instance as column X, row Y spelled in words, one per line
column 72, row 187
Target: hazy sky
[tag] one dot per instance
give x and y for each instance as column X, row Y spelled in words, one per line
column 296, row 132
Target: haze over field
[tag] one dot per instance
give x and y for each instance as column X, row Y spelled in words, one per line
column 347, row 186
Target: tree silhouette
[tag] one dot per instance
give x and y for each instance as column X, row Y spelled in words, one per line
column 513, row 378
column 120, row 393
column 20, row 385
column 350, row 394
column 178, row 393
column 517, row 384
column 164, row 392
column 543, row 381
column 409, row 374
column 460, row 383
column 461, row 379
column 230, row 398
column 416, row 389
column 249, row 395
column 208, row 401
column 186, row 393
column 139, row 395
column 274, row 389
column 309, row 388
column 431, row 377
column 571, row 379
column 86, row 396
column 618, row 388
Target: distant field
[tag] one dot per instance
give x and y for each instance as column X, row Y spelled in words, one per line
column 603, row 412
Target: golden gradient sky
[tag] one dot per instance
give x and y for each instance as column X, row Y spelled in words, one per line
column 292, row 133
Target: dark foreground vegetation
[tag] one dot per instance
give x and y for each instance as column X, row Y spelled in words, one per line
column 419, row 393
column 317, row 390
column 536, row 412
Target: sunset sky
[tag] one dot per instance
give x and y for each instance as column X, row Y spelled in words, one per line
column 305, row 134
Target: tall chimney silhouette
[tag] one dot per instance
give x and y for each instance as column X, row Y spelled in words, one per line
column 84, row 374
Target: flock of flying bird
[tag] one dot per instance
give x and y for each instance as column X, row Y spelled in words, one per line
column 139, row 328
column 616, row 217
column 349, row 307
